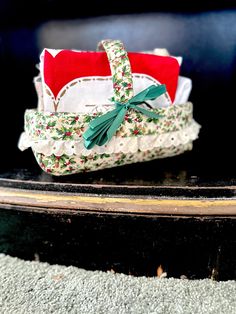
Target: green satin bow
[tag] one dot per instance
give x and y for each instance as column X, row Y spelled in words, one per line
column 102, row 128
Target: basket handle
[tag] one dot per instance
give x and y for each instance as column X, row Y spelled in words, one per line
column 120, row 69
column 102, row 128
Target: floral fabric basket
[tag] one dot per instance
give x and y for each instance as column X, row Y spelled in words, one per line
column 107, row 108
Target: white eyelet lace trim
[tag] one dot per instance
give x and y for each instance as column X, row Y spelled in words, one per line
column 116, row 145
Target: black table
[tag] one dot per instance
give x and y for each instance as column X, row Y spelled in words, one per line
column 130, row 219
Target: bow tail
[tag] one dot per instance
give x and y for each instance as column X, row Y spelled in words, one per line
column 116, row 123
column 147, row 113
column 97, row 128
column 98, row 137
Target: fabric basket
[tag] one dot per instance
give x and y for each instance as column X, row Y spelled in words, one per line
column 121, row 108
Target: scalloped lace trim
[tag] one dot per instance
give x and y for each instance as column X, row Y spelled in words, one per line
column 116, row 145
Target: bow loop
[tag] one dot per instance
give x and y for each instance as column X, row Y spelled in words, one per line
column 150, row 93
column 102, row 128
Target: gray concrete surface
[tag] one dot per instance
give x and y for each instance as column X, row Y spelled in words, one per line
column 35, row 287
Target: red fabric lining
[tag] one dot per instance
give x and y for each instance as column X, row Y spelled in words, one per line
column 68, row 65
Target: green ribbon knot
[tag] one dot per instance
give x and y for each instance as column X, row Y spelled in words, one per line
column 102, row 128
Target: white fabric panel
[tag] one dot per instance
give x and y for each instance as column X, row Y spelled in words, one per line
column 84, row 95
column 184, row 88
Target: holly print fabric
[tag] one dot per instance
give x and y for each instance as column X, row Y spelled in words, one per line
column 120, row 69
column 56, row 139
column 70, row 126
column 65, row 165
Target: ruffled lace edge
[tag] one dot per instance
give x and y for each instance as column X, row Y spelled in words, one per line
column 116, row 145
